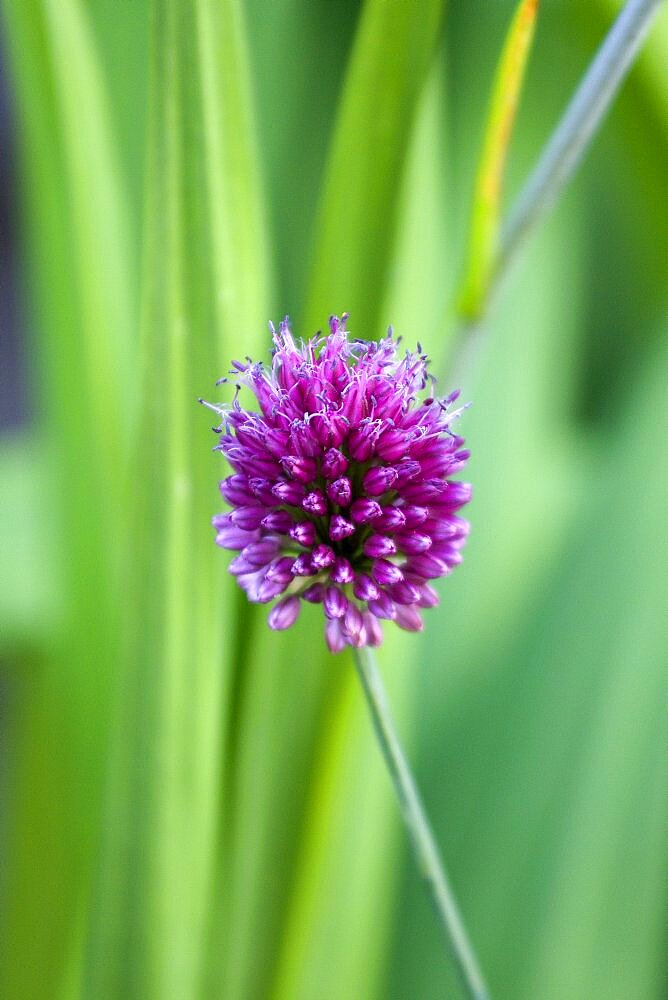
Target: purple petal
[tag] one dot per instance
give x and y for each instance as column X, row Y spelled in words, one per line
column 278, row 520
column 428, row 596
column 303, row 565
column 363, row 511
column 299, row 467
column 361, row 442
column 304, row 533
column 428, row 566
column 315, row 593
column 456, row 495
column 251, row 583
column 383, row 607
column 391, row 519
column 378, row 480
column 342, row 571
column 340, row 528
column 406, row 470
column 352, row 621
column 248, row 518
column 364, row 588
column 415, row 515
column 262, row 490
column 374, row 632
column 404, row 592
column 269, row 589
column 334, row 602
column 241, row 565
column 235, row 490
column 413, row 542
column 290, row 492
column 334, row 464
column 284, row 614
column 446, row 528
column 323, row 556
column 262, row 465
column 424, row 492
column 359, row 639
column 315, row 503
column 392, row 444
column 385, row 572
column 333, row 636
column 340, row 491
column 280, row 570
column 262, row 552
column 231, row 537
column 409, row 618
column 378, row 545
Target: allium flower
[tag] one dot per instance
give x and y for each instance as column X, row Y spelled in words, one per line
column 342, row 493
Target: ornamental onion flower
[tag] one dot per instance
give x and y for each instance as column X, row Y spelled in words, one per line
column 341, row 491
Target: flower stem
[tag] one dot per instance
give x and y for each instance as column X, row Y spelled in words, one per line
column 420, row 833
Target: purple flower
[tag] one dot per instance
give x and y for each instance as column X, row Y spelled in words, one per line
column 341, row 490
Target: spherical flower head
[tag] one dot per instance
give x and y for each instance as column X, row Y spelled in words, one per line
column 342, row 492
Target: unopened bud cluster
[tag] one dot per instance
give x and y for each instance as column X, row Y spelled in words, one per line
column 342, row 492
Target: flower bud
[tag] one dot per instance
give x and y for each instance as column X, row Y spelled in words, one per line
column 323, row 556
column 284, row 614
column 391, row 519
column 342, row 571
column 340, row 528
column 334, row 602
column 315, row 503
column 247, row 518
column 334, row 464
column 304, row 533
column 378, row 545
column 374, row 633
column 385, row 572
column 409, row 618
column 290, row 492
column 334, row 637
column 340, row 491
column 378, row 480
column 302, row 468
column 364, row 588
column 363, row 511
column 352, row 622
column 383, row 607
column 278, row 520
column 235, row 490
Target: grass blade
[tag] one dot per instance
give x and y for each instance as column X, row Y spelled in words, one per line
column 354, row 233
column 486, row 212
column 205, row 276
column 574, row 132
column 74, row 212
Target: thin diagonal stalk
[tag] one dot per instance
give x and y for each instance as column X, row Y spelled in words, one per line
column 421, row 836
column 582, row 117
column 561, row 155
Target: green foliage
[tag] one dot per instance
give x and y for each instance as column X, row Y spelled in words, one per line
column 486, row 213
column 195, row 807
column 355, row 231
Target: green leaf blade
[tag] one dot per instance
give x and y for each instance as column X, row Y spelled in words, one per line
column 486, row 212
column 354, row 233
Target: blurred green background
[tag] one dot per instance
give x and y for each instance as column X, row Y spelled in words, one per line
column 192, row 807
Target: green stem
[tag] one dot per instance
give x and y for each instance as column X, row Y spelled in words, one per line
column 420, row 833
column 582, row 117
column 559, row 159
